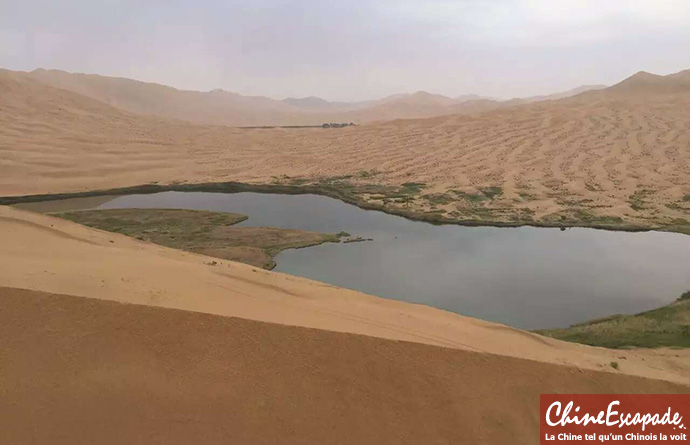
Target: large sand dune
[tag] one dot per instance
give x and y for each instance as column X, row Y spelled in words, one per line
column 78, row 370
column 622, row 152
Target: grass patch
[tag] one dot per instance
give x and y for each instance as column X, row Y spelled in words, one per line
column 608, row 220
column 614, row 365
column 678, row 225
column 364, row 174
column 484, row 194
column 492, row 192
column 413, row 187
column 637, row 199
column 527, row 196
column 439, row 198
column 585, row 218
column 574, row 202
column 298, row 181
column 686, row 198
column 336, row 179
column 668, row 326
column 472, row 198
column 208, row 233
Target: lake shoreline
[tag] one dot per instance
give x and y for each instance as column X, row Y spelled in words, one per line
column 340, row 193
column 233, row 189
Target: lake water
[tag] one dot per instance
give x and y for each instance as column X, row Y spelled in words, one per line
column 525, row 277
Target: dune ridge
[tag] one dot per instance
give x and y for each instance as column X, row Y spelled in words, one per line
column 222, row 107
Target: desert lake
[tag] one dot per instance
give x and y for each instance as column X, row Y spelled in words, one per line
column 530, row 278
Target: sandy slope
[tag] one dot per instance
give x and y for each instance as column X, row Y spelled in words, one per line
column 594, row 154
column 88, row 371
column 53, row 255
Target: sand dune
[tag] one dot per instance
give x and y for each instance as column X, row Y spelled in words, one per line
column 644, row 82
column 78, row 370
column 619, row 154
column 227, row 108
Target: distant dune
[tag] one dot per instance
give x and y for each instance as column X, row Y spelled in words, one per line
column 647, row 83
column 226, row 108
column 562, row 95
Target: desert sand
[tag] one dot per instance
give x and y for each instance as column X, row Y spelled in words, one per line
column 78, row 370
column 105, row 333
column 619, row 154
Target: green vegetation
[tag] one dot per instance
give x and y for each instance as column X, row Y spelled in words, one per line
column 574, row 202
column 472, row 198
column 439, row 198
column 299, row 181
column 208, row 233
column 484, row 194
column 686, row 198
column 637, row 199
column 337, row 125
column 614, row 365
column 668, row 326
column 584, row 217
column 413, row 187
column 678, row 225
column 492, row 192
column 364, row 174
column 526, row 196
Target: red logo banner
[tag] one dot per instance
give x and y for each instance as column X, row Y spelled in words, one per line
column 624, row 418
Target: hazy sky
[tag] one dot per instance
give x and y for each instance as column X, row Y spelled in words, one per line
column 354, row 49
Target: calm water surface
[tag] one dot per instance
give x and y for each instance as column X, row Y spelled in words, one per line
column 525, row 277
